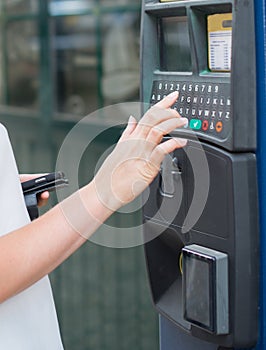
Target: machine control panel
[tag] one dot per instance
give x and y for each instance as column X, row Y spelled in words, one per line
column 207, row 105
column 207, row 53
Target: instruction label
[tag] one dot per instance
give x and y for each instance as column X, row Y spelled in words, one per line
column 220, row 41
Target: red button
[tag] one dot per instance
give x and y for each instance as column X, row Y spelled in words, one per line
column 205, row 125
column 219, row 126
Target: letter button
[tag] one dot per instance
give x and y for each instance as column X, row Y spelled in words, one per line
column 222, row 101
column 208, row 101
column 201, row 100
column 200, row 112
column 195, row 99
column 206, row 113
column 215, row 101
column 213, row 114
column 182, row 98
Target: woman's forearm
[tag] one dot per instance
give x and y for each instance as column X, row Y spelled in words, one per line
column 34, row 250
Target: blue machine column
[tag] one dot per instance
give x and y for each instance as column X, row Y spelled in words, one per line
column 260, row 17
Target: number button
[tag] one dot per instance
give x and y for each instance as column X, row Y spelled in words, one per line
column 184, row 87
column 203, row 88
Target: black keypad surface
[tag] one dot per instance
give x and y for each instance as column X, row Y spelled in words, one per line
column 206, row 105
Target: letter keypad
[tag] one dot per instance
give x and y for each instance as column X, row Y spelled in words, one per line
column 206, row 105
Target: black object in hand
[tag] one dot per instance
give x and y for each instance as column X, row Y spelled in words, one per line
column 33, row 188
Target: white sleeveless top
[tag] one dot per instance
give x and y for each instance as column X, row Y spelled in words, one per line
column 28, row 320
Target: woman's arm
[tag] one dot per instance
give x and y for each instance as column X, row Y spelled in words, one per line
column 33, row 251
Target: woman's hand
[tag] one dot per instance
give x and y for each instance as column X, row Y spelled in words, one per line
column 136, row 159
column 44, row 196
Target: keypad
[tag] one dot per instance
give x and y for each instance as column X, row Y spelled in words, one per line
column 206, row 105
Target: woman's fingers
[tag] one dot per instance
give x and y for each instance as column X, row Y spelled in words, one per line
column 43, row 198
column 164, row 148
column 168, row 101
column 159, row 131
column 131, row 125
column 160, row 112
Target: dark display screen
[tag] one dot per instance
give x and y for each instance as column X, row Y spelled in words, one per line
column 198, row 290
column 174, row 44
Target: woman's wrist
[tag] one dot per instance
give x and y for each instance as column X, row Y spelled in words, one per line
column 99, row 204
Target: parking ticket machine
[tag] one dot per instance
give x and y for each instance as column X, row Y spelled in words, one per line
column 201, row 213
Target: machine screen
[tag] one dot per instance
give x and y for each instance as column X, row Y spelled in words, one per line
column 174, row 44
column 198, row 290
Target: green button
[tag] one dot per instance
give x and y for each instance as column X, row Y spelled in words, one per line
column 195, row 124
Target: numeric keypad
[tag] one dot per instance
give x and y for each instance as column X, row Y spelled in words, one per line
column 206, row 105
